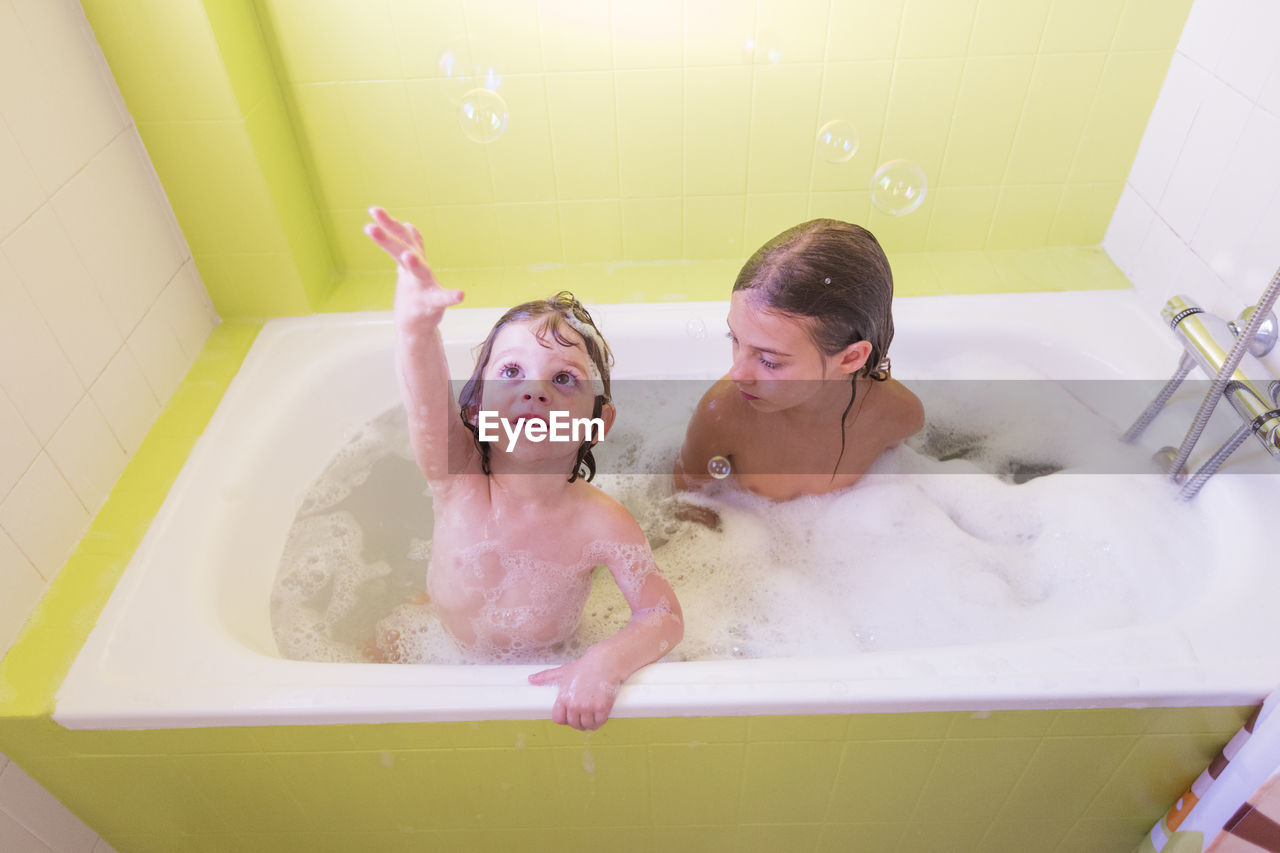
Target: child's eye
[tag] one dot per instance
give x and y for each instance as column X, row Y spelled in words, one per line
column 509, row 371
column 565, row 378
column 771, row 365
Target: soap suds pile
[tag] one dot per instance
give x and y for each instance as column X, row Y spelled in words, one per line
column 980, row 529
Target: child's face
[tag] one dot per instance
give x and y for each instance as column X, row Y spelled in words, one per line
column 530, row 374
column 776, row 365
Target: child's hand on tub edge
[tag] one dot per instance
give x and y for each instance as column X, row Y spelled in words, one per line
column 588, row 687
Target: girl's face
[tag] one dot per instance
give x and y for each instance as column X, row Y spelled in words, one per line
column 775, row 363
column 530, row 374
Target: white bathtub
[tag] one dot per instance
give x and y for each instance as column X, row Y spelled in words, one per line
column 186, row 638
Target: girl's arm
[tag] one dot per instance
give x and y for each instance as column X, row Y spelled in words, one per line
column 589, row 685
column 420, row 301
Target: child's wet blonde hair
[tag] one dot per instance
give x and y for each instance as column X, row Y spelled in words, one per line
column 560, row 311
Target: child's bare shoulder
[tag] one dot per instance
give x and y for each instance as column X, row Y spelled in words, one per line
column 604, row 517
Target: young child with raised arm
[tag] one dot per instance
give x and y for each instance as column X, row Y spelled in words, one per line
column 518, row 528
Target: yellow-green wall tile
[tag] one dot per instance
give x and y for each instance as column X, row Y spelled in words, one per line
column 961, row 217
column 1008, row 26
column 853, row 206
column 1084, row 211
column 570, row 33
column 1079, row 26
column 591, row 231
column 528, row 234
column 769, row 215
column 1058, row 102
column 581, row 108
column 716, row 32
column 935, row 28
column 790, row 30
column 464, row 236
column 466, row 180
column 1023, row 216
column 988, row 107
column 425, row 33
column 647, row 33
column 1150, row 24
column 1123, row 101
column 857, row 93
column 520, row 165
column 713, row 227
column 652, row 228
column 327, row 42
column 165, row 59
column 717, row 116
column 650, row 132
column 244, row 51
column 502, row 33
column 864, row 31
column 920, row 106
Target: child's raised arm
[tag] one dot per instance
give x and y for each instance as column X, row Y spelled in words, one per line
column 589, row 685
column 434, row 430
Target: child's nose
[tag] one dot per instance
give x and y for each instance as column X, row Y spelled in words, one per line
column 740, row 371
column 535, row 391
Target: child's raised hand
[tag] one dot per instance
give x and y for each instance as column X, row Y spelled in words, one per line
column 419, row 297
column 587, row 691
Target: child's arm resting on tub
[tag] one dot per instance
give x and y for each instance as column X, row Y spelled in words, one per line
column 589, row 685
column 420, row 301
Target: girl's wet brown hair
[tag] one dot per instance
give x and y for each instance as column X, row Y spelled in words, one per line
column 560, row 311
column 836, row 275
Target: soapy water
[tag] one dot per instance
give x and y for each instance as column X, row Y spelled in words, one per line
column 974, row 531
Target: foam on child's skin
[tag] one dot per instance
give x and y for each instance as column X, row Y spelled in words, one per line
column 921, row 553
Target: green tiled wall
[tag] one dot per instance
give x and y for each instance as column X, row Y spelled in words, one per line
column 670, row 134
column 1004, row 782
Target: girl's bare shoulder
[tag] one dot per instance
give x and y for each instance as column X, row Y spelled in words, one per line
column 898, row 411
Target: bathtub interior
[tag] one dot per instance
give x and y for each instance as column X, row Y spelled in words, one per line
column 310, row 383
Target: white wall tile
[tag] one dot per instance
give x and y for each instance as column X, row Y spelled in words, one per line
column 1156, row 269
column 48, row 66
column 1269, row 98
column 14, row 838
column 34, row 372
column 22, row 586
column 1251, row 56
column 1249, row 179
column 44, row 517
column 1175, row 109
column 1217, row 126
column 124, row 397
column 22, row 194
column 41, row 814
column 1207, row 32
column 186, row 307
column 58, row 283
column 1128, row 229
column 156, row 349
column 118, row 219
column 88, row 454
column 19, row 446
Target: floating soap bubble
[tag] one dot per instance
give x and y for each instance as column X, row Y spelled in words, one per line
column 898, row 187
column 482, row 115
column 837, row 141
column 696, row 329
column 719, row 467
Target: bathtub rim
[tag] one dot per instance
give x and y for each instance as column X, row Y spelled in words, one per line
column 112, row 699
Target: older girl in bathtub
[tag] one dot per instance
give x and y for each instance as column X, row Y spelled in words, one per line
column 808, row 404
column 518, row 528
